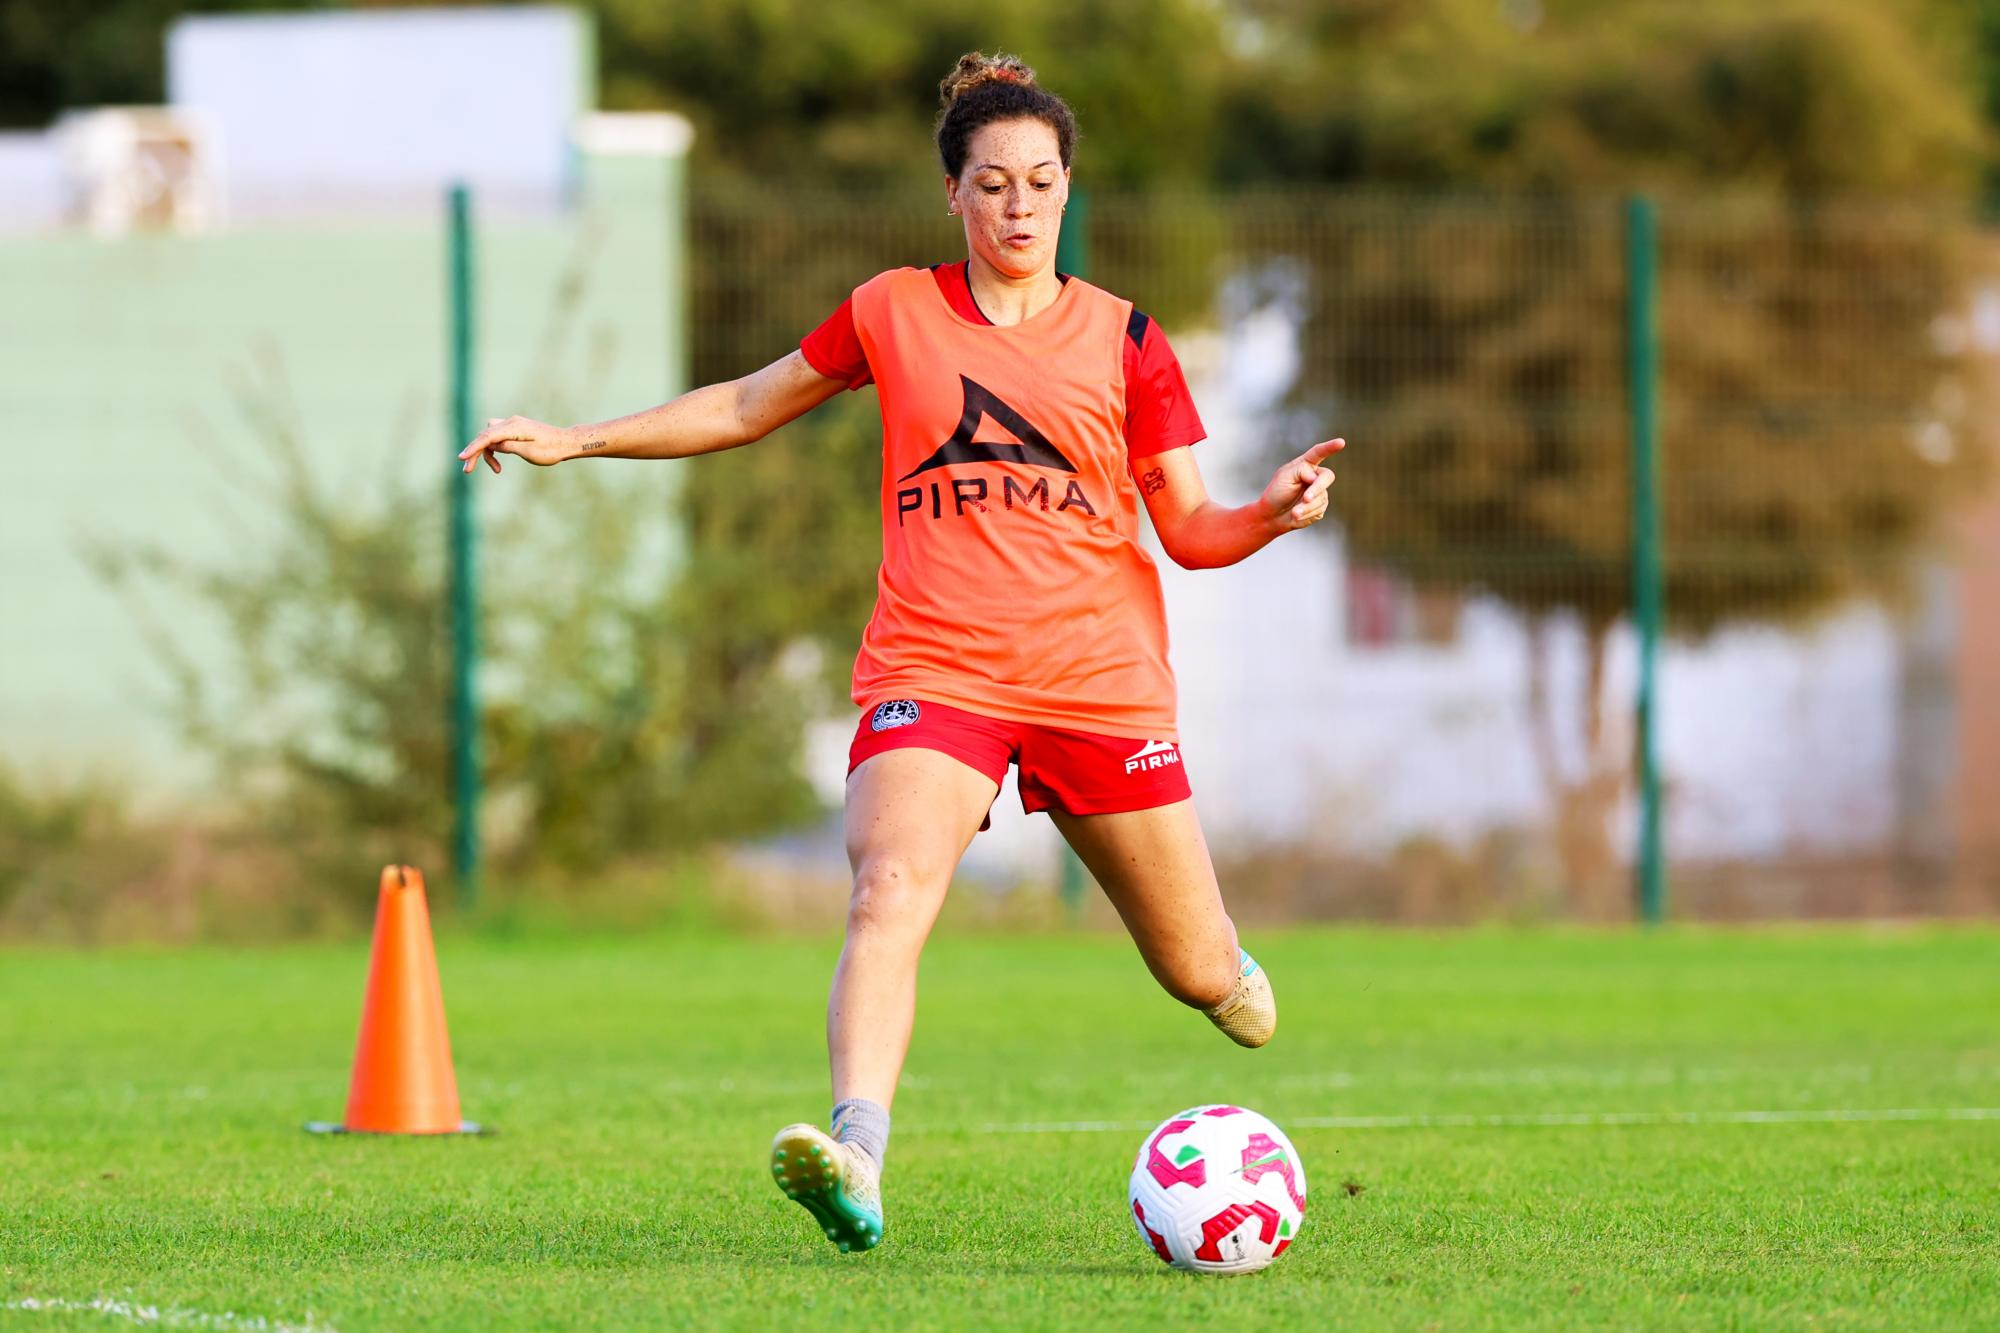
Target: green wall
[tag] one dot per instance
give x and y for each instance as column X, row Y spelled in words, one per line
column 123, row 366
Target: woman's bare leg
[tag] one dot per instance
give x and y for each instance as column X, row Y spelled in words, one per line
column 911, row 814
column 1154, row 867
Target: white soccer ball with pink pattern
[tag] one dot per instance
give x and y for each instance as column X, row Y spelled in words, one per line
column 1218, row 1189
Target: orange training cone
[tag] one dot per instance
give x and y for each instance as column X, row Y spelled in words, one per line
column 402, row 1081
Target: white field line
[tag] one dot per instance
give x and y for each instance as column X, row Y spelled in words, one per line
column 1590, row 1076
column 1549, row 1119
column 165, row 1316
column 1545, row 1076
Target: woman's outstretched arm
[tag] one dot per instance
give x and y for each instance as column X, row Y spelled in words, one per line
column 701, row 421
column 1201, row 534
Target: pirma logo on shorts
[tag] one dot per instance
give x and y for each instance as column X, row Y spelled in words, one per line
column 1157, row 754
column 895, row 713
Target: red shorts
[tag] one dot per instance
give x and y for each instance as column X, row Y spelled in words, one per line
column 1077, row 772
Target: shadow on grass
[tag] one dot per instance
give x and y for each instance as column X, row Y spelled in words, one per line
column 902, row 1264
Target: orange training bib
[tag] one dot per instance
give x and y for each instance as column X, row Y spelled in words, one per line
column 1012, row 580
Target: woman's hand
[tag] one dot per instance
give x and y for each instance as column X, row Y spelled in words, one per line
column 1296, row 497
column 536, row 441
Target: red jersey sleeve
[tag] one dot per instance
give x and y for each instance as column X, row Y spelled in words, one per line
column 1159, row 411
column 834, row 349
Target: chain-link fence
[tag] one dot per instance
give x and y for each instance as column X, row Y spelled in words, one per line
column 1422, row 710
column 1428, row 710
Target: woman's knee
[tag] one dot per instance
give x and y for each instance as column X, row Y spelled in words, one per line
column 895, row 893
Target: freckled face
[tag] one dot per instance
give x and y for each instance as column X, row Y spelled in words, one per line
column 1012, row 196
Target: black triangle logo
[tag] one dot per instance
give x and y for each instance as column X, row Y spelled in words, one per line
column 1034, row 448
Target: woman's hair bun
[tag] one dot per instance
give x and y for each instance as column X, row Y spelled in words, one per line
column 985, row 89
column 975, row 68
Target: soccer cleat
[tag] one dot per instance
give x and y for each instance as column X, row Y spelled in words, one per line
column 837, row 1185
column 1250, row 1015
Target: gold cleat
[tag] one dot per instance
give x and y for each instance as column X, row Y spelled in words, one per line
column 1250, row 1015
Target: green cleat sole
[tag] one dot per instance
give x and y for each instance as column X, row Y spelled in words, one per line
column 816, row 1184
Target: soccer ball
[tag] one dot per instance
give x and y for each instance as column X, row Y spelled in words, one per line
column 1218, row 1189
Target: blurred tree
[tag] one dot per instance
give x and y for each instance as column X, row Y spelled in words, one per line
column 1982, row 17
column 843, row 95
column 1559, row 93
column 57, row 55
column 1570, row 95
column 1475, row 355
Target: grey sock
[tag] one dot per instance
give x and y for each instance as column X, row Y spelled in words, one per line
column 863, row 1125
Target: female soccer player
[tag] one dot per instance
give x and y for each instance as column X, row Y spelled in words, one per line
column 1025, row 414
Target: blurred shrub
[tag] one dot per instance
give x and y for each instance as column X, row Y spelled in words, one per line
column 78, row 866
column 45, row 836
column 325, row 717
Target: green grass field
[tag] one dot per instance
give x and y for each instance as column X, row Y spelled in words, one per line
column 151, row 1153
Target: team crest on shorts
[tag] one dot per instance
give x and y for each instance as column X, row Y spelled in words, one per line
column 895, row 713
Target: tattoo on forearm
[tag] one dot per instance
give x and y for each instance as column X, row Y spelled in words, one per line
column 588, row 445
column 1154, row 482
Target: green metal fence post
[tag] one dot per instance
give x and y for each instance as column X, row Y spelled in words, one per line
column 464, row 590
column 1073, row 241
column 1648, row 598
column 1073, row 257
column 680, row 372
